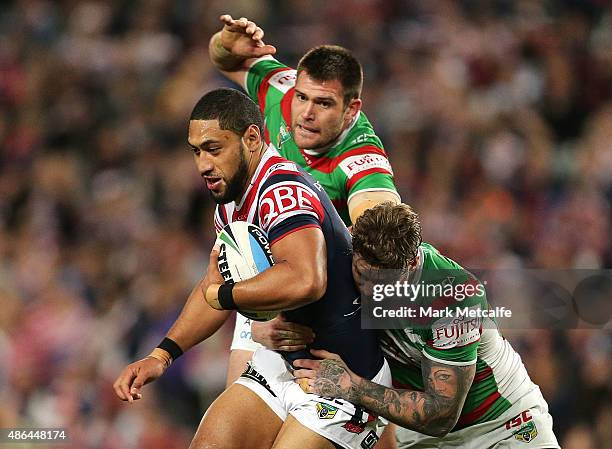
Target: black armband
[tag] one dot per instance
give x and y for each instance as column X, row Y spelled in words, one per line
column 226, row 297
column 171, row 347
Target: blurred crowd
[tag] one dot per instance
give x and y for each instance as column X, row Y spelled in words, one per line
column 496, row 116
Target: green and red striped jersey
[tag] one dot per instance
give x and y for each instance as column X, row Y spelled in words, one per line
column 450, row 338
column 357, row 162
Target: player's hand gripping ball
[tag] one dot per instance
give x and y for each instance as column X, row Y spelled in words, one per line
column 244, row 251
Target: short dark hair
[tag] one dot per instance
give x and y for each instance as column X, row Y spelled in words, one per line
column 332, row 62
column 387, row 235
column 233, row 109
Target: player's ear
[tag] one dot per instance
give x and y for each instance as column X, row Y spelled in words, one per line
column 352, row 109
column 252, row 138
column 413, row 263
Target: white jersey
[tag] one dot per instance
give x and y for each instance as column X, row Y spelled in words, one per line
column 501, row 378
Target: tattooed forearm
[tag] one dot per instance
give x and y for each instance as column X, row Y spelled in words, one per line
column 434, row 411
column 334, row 380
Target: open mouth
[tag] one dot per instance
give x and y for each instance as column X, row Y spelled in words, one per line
column 213, row 183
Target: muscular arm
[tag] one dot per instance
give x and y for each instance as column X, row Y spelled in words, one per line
column 277, row 336
column 434, row 411
column 197, row 320
column 298, row 277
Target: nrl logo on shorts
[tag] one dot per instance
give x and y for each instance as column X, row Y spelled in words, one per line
column 325, row 411
column 526, row 433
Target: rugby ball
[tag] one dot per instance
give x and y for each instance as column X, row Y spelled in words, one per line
column 244, row 251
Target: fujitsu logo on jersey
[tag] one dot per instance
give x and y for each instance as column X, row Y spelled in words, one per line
column 358, row 163
column 451, row 332
column 457, row 328
column 286, row 199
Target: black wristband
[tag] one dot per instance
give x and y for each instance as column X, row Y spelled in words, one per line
column 226, row 297
column 171, row 347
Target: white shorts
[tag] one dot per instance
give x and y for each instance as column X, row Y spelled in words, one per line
column 337, row 420
column 242, row 335
column 527, row 424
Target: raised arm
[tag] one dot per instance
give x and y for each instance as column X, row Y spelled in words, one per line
column 434, row 411
column 232, row 49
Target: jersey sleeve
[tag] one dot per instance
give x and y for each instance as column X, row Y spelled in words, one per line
column 288, row 204
column 455, row 339
column 367, row 167
column 267, row 80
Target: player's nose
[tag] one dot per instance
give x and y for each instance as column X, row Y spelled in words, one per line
column 308, row 111
column 204, row 163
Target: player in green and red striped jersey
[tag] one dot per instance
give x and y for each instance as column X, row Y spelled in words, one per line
column 457, row 381
column 313, row 114
column 313, row 117
column 347, row 159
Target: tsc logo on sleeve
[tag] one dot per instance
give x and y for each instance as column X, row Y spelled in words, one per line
column 527, row 429
column 354, row 165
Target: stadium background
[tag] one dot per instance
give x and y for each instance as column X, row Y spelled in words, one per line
column 496, row 115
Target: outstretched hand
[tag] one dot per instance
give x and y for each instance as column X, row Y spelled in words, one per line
column 134, row 376
column 242, row 37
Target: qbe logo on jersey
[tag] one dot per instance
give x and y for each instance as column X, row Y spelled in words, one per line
column 284, row 200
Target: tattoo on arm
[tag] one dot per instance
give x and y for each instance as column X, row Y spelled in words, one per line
column 434, row 411
column 334, row 380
